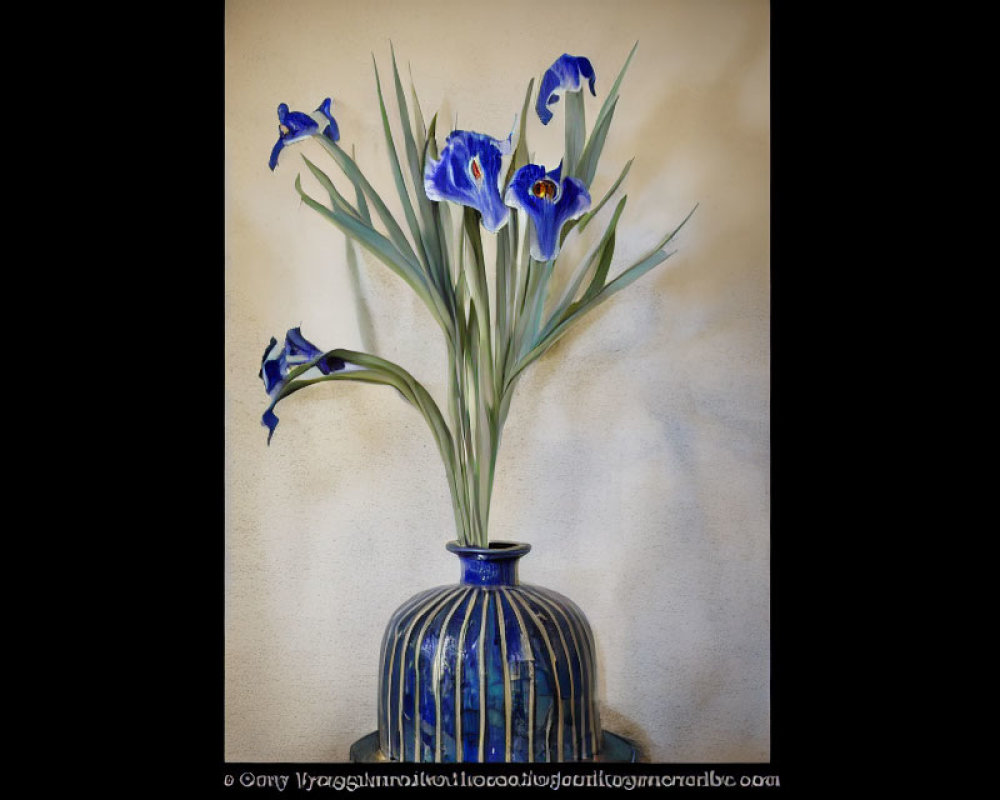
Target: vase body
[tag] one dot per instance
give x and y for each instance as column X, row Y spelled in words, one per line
column 488, row 670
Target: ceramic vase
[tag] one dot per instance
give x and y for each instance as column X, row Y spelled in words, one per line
column 488, row 670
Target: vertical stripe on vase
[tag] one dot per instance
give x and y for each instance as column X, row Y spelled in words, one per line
column 393, row 631
column 554, row 664
column 435, row 608
column 527, row 655
column 437, row 673
column 482, row 677
column 506, row 679
column 569, row 661
column 459, row 659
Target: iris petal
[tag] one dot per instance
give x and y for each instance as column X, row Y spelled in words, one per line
column 331, row 131
column 269, row 421
column 278, row 146
column 468, row 173
column 550, row 202
column 563, row 76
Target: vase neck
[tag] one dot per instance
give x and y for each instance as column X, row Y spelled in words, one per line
column 495, row 565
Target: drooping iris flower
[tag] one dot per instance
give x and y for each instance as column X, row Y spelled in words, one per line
column 468, row 173
column 551, row 202
column 294, row 126
column 565, row 75
column 279, row 361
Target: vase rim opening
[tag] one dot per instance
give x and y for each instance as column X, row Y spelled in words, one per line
column 493, row 550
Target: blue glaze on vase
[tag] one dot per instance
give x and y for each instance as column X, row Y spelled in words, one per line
column 488, row 669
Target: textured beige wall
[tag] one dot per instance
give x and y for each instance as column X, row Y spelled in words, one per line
column 636, row 455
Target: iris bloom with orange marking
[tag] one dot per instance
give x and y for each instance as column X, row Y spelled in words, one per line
column 551, row 202
column 468, row 173
column 294, row 126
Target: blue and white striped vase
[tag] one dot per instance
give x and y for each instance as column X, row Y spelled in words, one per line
column 488, row 670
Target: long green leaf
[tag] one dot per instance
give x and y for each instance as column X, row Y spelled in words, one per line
column 571, row 319
column 380, row 246
column 484, row 429
column 419, row 128
column 337, row 200
column 666, row 239
column 397, row 174
column 529, row 320
column 356, row 176
column 525, row 267
column 595, row 210
column 595, row 144
column 480, row 294
column 645, row 264
column 627, row 277
column 412, row 153
column 374, row 370
column 601, row 273
column 612, row 96
column 442, row 221
column 521, row 149
column 380, row 371
column 372, row 239
column 359, row 195
column 575, row 134
column 362, row 376
column 501, row 296
column 432, row 148
column 422, row 397
column 582, row 222
column 509, row 262
column 429, row 233
column 441, row 215
column 584, row 269
column 476, row 268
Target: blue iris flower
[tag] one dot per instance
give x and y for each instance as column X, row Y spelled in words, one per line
column 278, row 361
column 551, row 202
column 565, row 75
column 294, row 126
column 468, row 173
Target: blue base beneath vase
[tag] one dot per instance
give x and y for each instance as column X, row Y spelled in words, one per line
column 616, row 749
